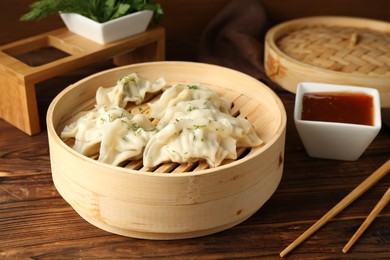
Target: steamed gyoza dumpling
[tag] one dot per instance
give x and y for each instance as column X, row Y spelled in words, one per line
column 185, row 92
column 88, row 129
column 125, row 139
column 189, row 140
column 242, row 129
column 130, row 88
column 194, row 124
column 183, row 108
column 84, row 130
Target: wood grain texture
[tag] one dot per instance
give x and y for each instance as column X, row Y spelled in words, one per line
column 19, row 107
column 178, row 206
column 345, row 202
column 35, row 222
column 367, row 222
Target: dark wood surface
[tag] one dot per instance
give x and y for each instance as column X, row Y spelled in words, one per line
column 36, row 223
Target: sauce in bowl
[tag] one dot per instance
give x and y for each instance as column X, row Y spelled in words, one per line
column 339, row 107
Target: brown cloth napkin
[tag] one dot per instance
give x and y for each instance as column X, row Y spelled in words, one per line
column 235, row 38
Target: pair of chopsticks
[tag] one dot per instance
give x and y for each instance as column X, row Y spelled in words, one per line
column 353, row 195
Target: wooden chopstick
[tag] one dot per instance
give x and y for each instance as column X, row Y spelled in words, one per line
column 377, row 209
column 353, row 195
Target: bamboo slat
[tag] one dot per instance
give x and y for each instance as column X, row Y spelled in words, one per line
column 172, row 200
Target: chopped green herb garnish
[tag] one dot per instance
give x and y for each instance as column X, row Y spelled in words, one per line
column 199, row 126
column 179, row 132
column 134, row 126
column 191, row 108
column 192, row 86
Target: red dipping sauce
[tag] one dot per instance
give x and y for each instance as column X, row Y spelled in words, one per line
column 339, row 107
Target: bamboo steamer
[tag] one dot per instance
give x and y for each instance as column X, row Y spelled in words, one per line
column 330, row 49
column 172, row 201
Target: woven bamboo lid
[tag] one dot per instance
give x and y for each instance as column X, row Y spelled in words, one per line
column 330, row 49
column 346, row 49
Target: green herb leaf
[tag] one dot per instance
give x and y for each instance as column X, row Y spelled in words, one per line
column 191, row 108
column 97, row 10
column 134, row 126
column 199, row 126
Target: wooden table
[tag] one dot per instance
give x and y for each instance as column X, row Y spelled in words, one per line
column 35, row 222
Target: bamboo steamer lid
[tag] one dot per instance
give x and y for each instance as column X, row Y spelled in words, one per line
column 170, row 201
column 329, row 49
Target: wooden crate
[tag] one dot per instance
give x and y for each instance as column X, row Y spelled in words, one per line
column 18, row 104
column 171, row 200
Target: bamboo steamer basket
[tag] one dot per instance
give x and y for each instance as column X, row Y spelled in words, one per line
column 330, row 49
column 172, row 201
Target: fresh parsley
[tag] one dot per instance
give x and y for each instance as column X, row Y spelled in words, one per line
column 199, row 126
column 192, row 86
column 179, row 132
column 135, row 126
column 98, row 10
column 191, row 108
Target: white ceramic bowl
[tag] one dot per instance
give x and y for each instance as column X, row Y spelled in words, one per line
column 109, row 31
column 329, row 140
